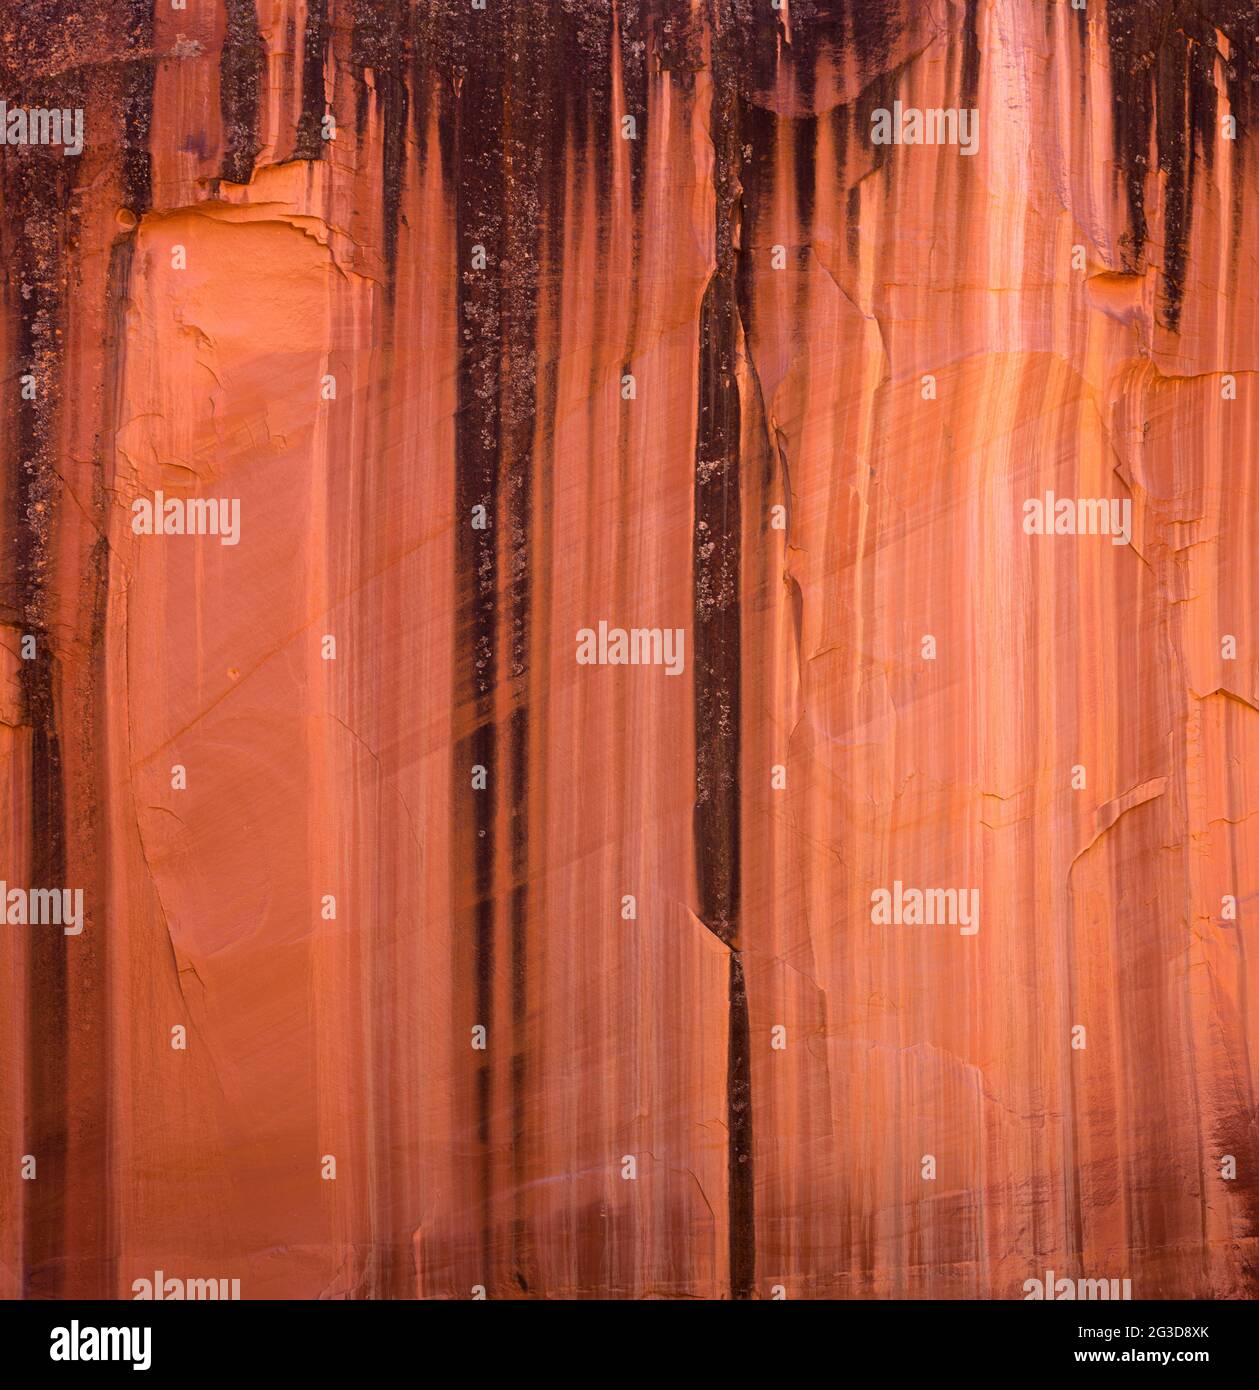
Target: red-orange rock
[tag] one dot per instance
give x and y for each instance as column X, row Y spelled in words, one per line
column 634, row 278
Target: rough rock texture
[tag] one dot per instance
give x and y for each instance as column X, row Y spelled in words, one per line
column 478, row 260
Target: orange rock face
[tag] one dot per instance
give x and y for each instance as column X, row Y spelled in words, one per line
column 637, row 621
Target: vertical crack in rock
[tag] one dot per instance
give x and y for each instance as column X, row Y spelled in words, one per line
column 716, row 615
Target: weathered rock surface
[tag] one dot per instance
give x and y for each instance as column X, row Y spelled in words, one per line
column 631, row 276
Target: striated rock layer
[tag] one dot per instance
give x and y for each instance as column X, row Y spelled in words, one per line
column 634, row 277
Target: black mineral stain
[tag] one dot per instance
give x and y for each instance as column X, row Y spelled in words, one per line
column 533, row 128
column 38, row 184
column 137, row 110
column 716, row 569
column 971, row 56
column 1164, row 57
column 508, row 108
column 633, row 35
column 1236, row 1134
column 241, row 66
column 805, row 168
column 861, row 31
column 52, row 57
column 310, row 143
column 472, row 151
column 516, row 86
column 638, row 34
column 380, row 42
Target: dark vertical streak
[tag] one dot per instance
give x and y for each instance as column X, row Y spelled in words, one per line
column 241, row 66
column 971, row 55
column 804, row 133
column 716, row 567
column 1163, row 60
column 66, row 1229
column 310, row 142
column 545, row 50
column 380, row 42
column 436, row 43
column 36, row 194
column 501, row 132
column 47, row 1033
column 137, row 111
column 117, row 297
column 551, row 244
column 472, row 150
column 1176, row 160
column 739, row 1118
column 634, row 84
column 527, row 131
column 852, row 224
